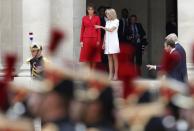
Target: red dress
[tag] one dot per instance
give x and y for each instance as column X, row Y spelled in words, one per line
column 90, row 52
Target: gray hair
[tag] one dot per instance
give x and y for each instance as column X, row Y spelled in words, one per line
column 172, row 37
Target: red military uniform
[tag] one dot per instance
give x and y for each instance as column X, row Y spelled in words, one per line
column 90, row 52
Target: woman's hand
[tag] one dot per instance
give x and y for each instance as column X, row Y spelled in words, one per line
column 98, row 26
column 81, row 44
column 98, row 43
column 103, row 46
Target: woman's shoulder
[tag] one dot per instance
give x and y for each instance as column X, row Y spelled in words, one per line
column 108, row 21
column 116, row 20
column 97, row 17
column 84, row 17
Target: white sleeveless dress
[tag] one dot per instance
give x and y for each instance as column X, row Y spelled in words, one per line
column 111, row 38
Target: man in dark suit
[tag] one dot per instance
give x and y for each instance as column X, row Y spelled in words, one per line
column 103, row 19
column 173, row 63
column 136, row 34
column 101, row 13
column 123, row 25
column 181, row 50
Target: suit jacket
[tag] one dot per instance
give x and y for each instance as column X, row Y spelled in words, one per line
column 140, row 29
column 122, row 33
column 174, row 65
column 88, row 29
column 175, row 72
column 102, row 23
column 183, row 63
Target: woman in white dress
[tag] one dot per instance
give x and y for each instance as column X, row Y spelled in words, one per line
column 111, row 42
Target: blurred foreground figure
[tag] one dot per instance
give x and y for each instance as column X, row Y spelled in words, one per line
column 4, row 104
column 172, row 119
column 8, row 75
column 55, row 107
column 99, row 113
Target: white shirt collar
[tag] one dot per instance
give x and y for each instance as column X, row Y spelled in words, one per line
column 176, row 42
column 172, row 50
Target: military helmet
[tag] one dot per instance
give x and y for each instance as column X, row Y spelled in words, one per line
column 35, row 46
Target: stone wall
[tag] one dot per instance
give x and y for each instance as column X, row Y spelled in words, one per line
column 19, row 17
column 11, row 29
column 185, row 30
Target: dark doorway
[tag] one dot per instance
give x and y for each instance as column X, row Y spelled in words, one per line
column 171, row 17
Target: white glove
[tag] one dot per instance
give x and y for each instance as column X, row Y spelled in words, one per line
column 151, row 67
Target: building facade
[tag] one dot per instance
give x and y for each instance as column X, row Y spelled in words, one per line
column 19, row 17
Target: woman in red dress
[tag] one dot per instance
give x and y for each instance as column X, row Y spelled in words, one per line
column 90, row 39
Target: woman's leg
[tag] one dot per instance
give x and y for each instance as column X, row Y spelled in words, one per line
column 116, row 66
column 93, row 65
column 110, row 64
column 88, row 64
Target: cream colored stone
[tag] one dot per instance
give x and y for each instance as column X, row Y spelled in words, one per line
column 185, row 30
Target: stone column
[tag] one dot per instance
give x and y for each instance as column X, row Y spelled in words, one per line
column 79, row 10
column 185, row 29
column 11, row 29
column 62, row 18
column 18, row 18
column 36, row 19
column 67, row 15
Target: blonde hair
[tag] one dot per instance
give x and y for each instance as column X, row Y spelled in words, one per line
column 112, row 13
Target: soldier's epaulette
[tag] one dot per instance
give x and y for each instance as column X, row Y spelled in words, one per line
column 28, row 60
